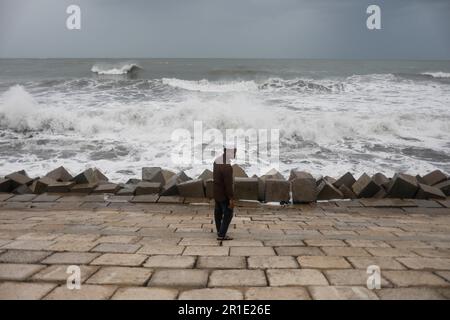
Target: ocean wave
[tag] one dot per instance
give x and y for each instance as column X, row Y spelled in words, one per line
column 438, row 74
column 211, row 86
column 134, row 120
column 271, row 84
column 103, row 69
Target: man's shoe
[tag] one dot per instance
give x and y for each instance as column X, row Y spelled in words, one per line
column 225, row 238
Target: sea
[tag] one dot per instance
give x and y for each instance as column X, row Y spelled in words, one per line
column 119, row 115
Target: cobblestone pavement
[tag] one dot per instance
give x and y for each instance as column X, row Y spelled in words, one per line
column 138, row 249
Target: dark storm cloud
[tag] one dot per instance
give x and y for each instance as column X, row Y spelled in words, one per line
column 226, row 28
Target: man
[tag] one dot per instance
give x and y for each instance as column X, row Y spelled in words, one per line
column 223, row 192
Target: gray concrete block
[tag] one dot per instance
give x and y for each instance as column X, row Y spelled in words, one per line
column 365, row 187
column 246, row 188
column 402, row 186
column 60, row 174
column 145, row 187
column 347, row 179
column 277, row 190
column 304, row 188
column 434, row 177
column 429, row 192
column 192, row 189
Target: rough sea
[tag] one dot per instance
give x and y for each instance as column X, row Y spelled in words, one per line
column 118, row 115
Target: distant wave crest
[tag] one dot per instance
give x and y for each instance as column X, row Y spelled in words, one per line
column 437, row 74
column 115, row 70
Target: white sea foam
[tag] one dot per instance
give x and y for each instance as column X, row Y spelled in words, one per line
column 437, row 74
column 103, row 69
column 207, row 86
column 364, row 126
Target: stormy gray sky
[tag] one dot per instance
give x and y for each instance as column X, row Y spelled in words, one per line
column 411, row 29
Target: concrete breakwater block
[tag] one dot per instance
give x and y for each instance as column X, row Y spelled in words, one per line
column 293, row 174
column 23, row 189
column 365, row 187
column 60, row 187
column 429, row 192
column 145, row 187
column 133, row 181
column 434, row 177
column 127, row 190
column 381, row 180
column 277, row 190
column 107, row 188
column 5, row 185
column 238, row 172
column 327, row 191
column 271, row 174
column 402, row 186
column 347, row 179
column 156, row 174
column 444, row 186
column 246, row 188
column 347, row 193
column 19, row 178
column 91, row 175
column 206, row 175
column 192, row 189
column 303, row 186
column 170, row 188
column 84, row 188
column 60, row 175
column 40, row 185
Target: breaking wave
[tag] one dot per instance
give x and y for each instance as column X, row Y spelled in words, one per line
column 438, row 74
column 103, row 69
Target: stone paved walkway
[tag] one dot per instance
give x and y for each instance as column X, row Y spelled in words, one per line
column 147, row 250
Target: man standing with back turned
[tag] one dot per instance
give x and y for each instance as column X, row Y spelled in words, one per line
column 223, row 192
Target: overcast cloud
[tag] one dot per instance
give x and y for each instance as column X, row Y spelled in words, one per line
column 411, row 29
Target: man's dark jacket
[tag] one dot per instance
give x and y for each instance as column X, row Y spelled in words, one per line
column 223, row 182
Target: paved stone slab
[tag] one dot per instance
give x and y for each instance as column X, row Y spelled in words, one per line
column 212, row 294
column 237, row 278
column 161, row 250
column 242, row 243
column 414, row 278
column 5, row 196
column 352, row 277
column 298, row 251
column 295, row 277
column 117, row 247
column 206, row 262
column 325, row 243
column 342, row 293
column 277, row 293
column 46, row 198
column 409, row 294
column 118, row 239
column 444, row 274
column 23, row 256
column 363, row 243
column 391, row 252
column 81, row 246
column 345, row 251
column 86, row 292
column 148, row 198
column 28, row 245
column 323, row 262
column 252, row 251
column 24, row 290
column 139, row 293
column 272, row 262
column 385, row 263
column 71, row 258
column 121, row 276
column 180, row 262
column 426, row 263
column 59, row 273
column 120, row 259
column 179, row 278
column 12, row 271
column 22, row 198
column 206, row 251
